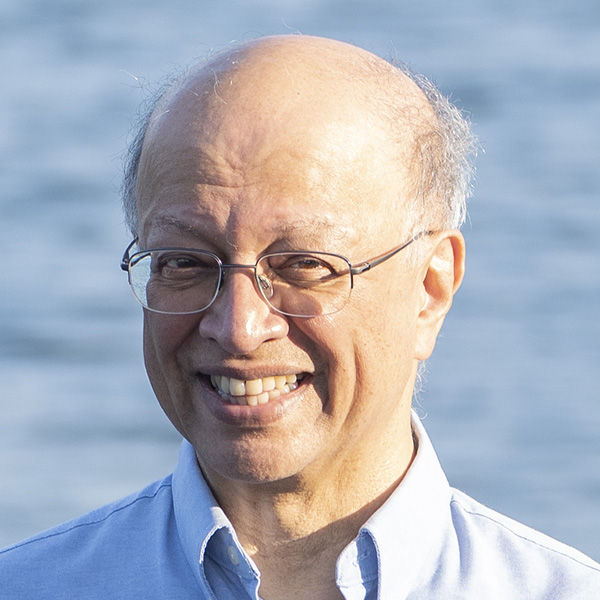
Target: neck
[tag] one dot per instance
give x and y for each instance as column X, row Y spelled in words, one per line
column 310, row 518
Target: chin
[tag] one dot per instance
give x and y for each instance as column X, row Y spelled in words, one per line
column 251, row 462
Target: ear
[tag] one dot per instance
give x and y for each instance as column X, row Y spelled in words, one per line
column 442, row 276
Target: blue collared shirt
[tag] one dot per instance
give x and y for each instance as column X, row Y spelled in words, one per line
column 172, row 541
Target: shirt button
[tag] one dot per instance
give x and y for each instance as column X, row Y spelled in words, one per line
column 234, row 557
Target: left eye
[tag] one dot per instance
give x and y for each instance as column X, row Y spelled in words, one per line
column 306, row 263
column 301, row 268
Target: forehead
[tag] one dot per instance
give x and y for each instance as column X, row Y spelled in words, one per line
column 308, row 231
column 301, row 208
column 309, row 192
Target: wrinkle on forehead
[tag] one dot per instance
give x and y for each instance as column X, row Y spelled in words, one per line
column 317, row 232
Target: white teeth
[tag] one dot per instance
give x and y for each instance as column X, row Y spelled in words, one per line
column 224, row 384
column 253, row 392
column 268, row 384
column 254, row 387
column 280, row 381
column 236, row 387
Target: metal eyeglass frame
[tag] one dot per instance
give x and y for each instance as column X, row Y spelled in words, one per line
column 355, row 269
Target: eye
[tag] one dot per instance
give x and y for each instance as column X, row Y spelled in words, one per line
column 306, row 262
column 180, row 265
column 302, row 268
column 179, row 262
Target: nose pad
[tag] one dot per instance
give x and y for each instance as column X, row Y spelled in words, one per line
column 266, row 287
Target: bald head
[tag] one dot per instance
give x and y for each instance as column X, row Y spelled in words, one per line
column 342, row 98
column 316, row 76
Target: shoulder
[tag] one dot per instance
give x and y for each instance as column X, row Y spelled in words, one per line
column 493, row 546
column 84, row 557
column 153, row 498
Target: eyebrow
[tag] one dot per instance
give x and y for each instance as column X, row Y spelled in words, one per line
column 318, row 228
column 169, row 223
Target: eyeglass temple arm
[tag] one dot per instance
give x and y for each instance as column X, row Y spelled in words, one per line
column 373, row 262
column 125, row 259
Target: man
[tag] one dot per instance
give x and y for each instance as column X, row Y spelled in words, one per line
column 294, row 204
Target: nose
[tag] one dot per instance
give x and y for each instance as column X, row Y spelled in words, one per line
column 240, row 320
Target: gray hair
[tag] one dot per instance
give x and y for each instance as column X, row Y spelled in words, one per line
column 131, row 161
column 442, row 159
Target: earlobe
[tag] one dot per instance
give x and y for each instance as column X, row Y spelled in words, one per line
column 442, row 277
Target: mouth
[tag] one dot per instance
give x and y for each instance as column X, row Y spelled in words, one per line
column 252, row 392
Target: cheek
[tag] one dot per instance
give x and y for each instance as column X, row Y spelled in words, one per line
column 355, row 353
column 164, row 336
column 385, row 338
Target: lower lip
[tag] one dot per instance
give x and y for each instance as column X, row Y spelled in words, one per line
column 250, row 416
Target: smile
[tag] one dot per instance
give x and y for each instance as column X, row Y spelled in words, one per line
column 252, row 392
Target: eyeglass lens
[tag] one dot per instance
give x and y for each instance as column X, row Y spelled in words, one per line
column 188, row 281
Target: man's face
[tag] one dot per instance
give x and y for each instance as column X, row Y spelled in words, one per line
column 244, row 186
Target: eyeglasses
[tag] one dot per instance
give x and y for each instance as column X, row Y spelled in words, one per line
column 301, row 283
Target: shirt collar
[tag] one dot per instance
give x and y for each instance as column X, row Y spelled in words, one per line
column 408, row 530
column 200, row 519
column 399, row 542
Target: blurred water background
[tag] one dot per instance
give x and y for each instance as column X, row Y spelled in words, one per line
column 512, row 392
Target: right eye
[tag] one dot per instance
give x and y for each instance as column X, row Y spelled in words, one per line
column 183, row 265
